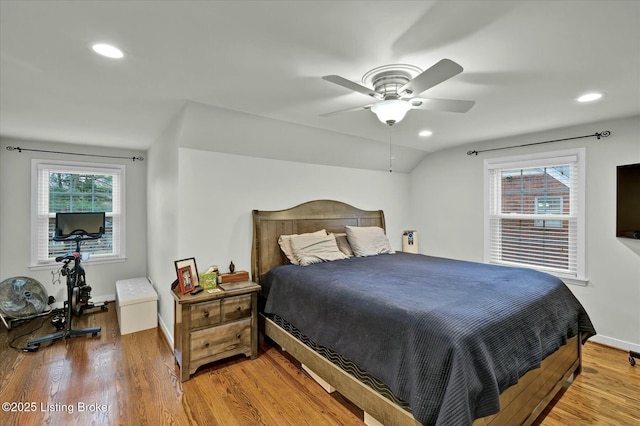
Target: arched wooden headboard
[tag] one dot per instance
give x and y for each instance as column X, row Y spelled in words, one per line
column 307, row 217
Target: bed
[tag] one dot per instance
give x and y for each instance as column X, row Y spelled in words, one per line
column 377, row 346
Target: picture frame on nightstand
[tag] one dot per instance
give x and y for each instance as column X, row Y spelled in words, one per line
column 192, row 276
column 185, row 278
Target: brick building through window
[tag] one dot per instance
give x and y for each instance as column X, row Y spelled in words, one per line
column 544, row 193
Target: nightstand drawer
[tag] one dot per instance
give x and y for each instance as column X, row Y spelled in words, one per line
column 205, row 314
column 224, row 338
column 237, row 307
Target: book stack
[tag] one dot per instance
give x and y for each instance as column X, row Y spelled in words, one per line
column 234, row 277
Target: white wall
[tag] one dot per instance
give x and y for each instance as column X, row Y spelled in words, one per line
column 447, row 205
column 200, row 201
column 219, row 191
column 222, row 130
column 162, row 219
column 15, row 217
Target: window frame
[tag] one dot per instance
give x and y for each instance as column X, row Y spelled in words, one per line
column 544, row 159
column 40, row 245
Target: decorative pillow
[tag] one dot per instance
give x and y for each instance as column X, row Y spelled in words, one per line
column 285, row 244
column 368, row 240
column 310, row 249
column 343, row 244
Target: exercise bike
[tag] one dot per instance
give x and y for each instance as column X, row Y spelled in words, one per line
column 78, row 292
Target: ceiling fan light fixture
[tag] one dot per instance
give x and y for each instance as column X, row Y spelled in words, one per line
column 107, row 50
column 391, row 111
column 590, row 97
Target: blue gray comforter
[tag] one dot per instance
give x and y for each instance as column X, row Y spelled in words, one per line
column 446, row 336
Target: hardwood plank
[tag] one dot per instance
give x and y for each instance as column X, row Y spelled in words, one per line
column 606, row 392
column 136, row 377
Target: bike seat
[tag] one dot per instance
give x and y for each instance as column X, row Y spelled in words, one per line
column 68, row 256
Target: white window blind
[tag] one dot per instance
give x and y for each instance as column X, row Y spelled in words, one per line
column 535, row 213
column 76, row 187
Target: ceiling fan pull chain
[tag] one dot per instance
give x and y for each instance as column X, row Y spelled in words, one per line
column 390, row 153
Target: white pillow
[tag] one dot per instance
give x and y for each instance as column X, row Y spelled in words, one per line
column 368, row 240
column 285, row 244
column 343, row 244
column 310, row 249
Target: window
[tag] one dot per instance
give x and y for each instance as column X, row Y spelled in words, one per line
column 547, row 204
column 76, row 187
column 535, row 213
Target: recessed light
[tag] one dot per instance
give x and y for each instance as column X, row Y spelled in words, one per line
column 589, row 97
column 425, row 133
column 107, row 50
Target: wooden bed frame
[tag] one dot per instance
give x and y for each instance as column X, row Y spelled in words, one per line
column 522, row 403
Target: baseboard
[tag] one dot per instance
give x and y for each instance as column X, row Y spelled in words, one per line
column 167, row 335
column 615, row 343
column 95, row 300
column 102, row 299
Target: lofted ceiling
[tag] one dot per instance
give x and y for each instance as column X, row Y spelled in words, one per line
column 524, row 63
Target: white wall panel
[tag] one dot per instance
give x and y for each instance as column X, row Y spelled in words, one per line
column 447, row 205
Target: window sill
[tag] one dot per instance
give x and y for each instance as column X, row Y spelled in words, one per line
column 583, row 282
column 56, row 265
column 580, row 281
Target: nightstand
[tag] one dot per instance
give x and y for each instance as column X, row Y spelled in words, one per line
column 212, row 326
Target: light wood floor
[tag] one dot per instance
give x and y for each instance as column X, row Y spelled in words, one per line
column 133, row 379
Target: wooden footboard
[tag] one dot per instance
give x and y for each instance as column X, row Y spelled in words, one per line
column 521, row 403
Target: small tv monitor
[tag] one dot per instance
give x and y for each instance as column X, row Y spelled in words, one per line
column 68, row 225
column 628, row 201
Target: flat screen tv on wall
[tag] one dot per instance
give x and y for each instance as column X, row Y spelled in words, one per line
column 628, row 212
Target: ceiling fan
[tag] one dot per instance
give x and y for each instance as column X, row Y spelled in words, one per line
column 396, row 88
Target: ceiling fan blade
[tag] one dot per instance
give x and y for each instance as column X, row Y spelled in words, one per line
column 341, row 81
column 449, row 105
column 364, row 107
column 443, row 70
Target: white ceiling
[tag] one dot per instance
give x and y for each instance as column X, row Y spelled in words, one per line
column 524, row 64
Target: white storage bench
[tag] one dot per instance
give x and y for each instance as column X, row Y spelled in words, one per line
column 136, row 305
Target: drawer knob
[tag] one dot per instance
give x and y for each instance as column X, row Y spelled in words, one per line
column 206, row 344
column 206, row 314
column 239, row 308
column 238, row 335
